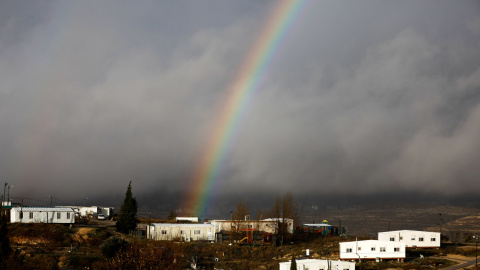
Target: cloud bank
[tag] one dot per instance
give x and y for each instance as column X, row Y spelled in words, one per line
column 362, row 98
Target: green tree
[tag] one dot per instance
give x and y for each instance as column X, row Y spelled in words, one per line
column 127, row 217
column 4, row 240
column 293, row 265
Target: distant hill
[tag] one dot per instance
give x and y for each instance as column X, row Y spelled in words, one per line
column 367, row 220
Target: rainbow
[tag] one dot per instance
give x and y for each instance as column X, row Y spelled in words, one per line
column 240, row 91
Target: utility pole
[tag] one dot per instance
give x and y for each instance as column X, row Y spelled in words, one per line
column 441, row 223
column 231, row 225
column 8, row 193
column 21, row 211
column 6, row 184
column 85, row 201
column 51, row 202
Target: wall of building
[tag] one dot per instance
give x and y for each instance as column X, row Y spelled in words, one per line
column 181, row 232
column 268, row 226
column 106, row 211
column 42, row 215
column 371, row 249
column 318, row 265
column 189, row 219
column 412, row 238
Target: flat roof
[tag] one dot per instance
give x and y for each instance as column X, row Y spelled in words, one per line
column 182, row 225
column 371, row 240
column 43, row 209
column 408, row 231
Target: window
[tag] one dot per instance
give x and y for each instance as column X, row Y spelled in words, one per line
column 349, row 250
column 420, row 239
column 58, row 215
column 30, row 215
column 250, row 226
column 397, row 249
column 413, row 237
column 183, row 232
column 383, row 249
column 68, row 215
column 401, row 238
column 21, row 215
column 196, row 231
column 164, row 231
column 433, row 239
column 372, row 249
column 392, row 239
column 359, row 248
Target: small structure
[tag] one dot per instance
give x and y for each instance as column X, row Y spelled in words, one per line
column 181, row 232
column 372, row 250
column 186, row 219
column 412, row 239
column 42, row 215
column 318, row 265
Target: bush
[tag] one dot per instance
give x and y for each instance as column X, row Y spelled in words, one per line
column 81, row 261
column 150, row 255
column 112, row 245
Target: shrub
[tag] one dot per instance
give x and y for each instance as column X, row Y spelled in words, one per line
column 112, row 245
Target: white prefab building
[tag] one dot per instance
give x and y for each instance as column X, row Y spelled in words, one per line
column 314, row 264
column 181, row 232
column 187, row 219
column 371, row 250
column 92, row 211
column 265, row 225
column 412, row 239
column 42, row 215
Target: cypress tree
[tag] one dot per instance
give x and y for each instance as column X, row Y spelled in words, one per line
column 293, row 265
column 127, row 217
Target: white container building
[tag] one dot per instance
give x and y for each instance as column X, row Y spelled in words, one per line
column 91, row 211
column 318, row 265
column 42, row 215
column 187, row 219
column 372, row 250
column 264, row 225
column 181, row 232
column 412, row 239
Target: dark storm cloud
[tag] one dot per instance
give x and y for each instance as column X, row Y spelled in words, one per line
column 361, row 98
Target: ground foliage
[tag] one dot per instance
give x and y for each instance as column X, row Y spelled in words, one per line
column 86, row 253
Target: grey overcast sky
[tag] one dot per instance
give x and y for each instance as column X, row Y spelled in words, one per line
column 364, row 97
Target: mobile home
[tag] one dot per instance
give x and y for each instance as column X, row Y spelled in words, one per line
column 42, row 215
column 181, row 232
column 318, row 265
column 412, row 239
column 371, row 250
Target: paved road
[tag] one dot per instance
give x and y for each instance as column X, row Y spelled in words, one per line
column 463, row 264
